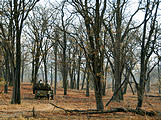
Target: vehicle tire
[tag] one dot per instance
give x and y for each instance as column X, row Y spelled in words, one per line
column 52, row 97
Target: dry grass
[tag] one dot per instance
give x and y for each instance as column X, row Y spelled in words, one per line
column 74, row 100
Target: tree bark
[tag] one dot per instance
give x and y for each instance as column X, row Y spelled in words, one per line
column 84, row 77
column 64, row 61
column 56, row 62
column 78, row 74
column 45, row 69
column 87, row 84
column 118, row 53
column 51, row 75
column 16, row 98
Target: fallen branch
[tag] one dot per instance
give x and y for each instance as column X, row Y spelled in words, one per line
column 60, row 108
column 152, row 96
column 92, row 111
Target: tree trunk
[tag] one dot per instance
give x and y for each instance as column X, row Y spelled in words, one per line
column 74, row 79
column 64, row 53
column 71, row 80
column 51, row 76
column 87, row 84
column 104, row 88
column 98, row 94
column 12, row 74
column 64, row 72
column 55, row 52
column 78, row 74
column 113, row 84
column 118, row 53
column 148, row 85
column 16, row 98
column 127, row 76
column 117, row 75
column 141, row 88
column 97, row 64
column 33, row 70
column 84, row 77
column 45, row 69
column 72, row 71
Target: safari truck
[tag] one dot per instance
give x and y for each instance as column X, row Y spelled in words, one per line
column 43, row 90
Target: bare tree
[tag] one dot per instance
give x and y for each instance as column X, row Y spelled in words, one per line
column 19, row 17
column 18, row 12
column 119, row 26
column 39, row 33
column 148, row 40
column 93, row 14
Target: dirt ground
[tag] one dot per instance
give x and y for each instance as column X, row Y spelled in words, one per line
column 43, row 110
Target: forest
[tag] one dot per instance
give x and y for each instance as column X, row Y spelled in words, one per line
column 102, row 59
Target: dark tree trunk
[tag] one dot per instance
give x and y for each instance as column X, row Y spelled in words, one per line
column 84, row 77
column 113, row 84
column 16, row 98
column 104, row 88
column 64, row 69
column 64, row 53
column 127, row 76
column 55, row 52
column 141, row 91
column 45, row 69
column 118, row 53
column 87, row 84
column 74, row 79
column 78, row 74
column 141, row 88
column 51, row 76
column 117, row 75
column 71, row 80
column 12, row 74
column 72, row 72
column 33, row 70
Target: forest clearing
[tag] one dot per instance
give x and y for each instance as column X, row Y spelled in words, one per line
column 75, row 100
